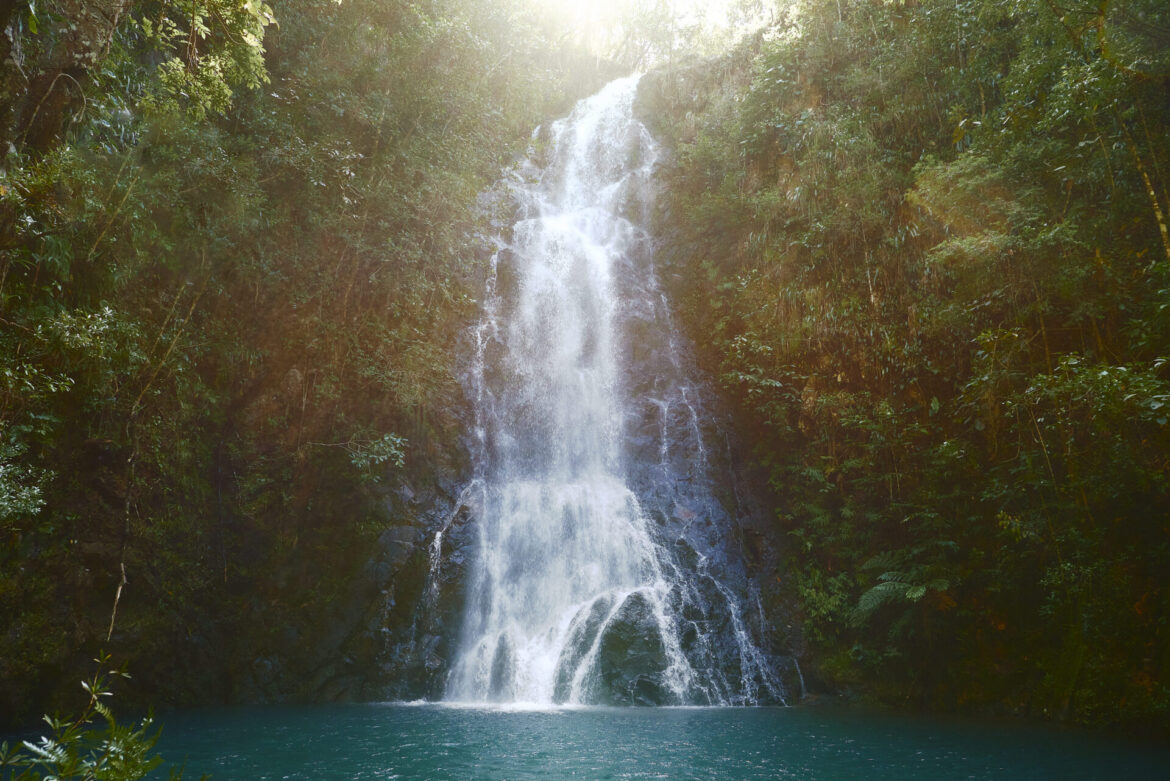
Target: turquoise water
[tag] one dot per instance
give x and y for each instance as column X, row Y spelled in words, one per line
column 811, row 743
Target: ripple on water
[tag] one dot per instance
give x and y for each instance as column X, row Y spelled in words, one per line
column 358, row 742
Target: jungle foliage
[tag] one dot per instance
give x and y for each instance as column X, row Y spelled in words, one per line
column 923, row 243
column 930, row 242
column 237, row 241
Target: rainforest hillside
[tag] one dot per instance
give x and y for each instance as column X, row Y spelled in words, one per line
column 924, row 245
column 237, row 247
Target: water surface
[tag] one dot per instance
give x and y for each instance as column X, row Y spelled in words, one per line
column 811, row 743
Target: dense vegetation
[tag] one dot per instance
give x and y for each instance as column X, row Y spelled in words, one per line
column 923, row 243
column 930, row 240
column 236, row 248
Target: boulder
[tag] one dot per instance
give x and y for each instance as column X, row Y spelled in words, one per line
column 632, row 657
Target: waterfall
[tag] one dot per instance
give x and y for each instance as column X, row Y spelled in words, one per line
column 597, row 577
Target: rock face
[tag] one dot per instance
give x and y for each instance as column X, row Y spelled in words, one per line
column 423, row 611
column 390, row 626
column 632, row 658
column 383, row 635
column 612, row 562
column 728, row 635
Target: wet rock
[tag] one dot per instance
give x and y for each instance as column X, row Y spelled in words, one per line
column 343, row 688
column 398, row 535
column 264, row 671
column 396, row 544
column 502, row 686
column 406, row 494
column 432, row 658
column 582, row 631
column 290, row 636
column 632, row 657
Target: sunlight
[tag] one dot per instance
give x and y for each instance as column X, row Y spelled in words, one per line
column 610, row 11
column 605, row 25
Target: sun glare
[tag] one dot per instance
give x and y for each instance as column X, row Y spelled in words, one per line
column 602, row 24
column 612, row 11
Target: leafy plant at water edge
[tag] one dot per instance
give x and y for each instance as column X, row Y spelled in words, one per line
column 91, row 745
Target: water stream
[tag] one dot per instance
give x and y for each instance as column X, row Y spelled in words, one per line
column 601, row 553
column 431, row 743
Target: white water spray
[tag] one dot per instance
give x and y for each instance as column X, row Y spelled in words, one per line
column 575, row 597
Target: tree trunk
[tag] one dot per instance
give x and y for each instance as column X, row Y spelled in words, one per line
column 42, row 76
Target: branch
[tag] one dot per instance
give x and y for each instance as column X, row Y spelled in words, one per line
column 117, row 596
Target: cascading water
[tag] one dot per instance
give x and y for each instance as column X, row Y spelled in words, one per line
column 594, row 579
